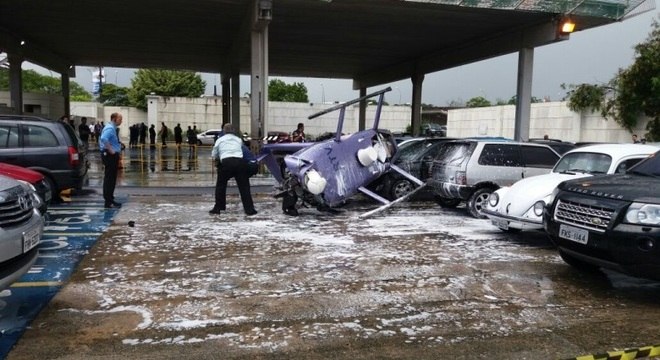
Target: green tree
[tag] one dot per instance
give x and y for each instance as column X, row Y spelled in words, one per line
column 585, row 96
column 43, row 84
column 78, row 93
column 514, row 99
column 163, row 83
column 113, row 95
column 278, row 90
column 478, row 101
column 632, row 92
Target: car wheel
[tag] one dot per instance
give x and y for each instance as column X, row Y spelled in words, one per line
column 400, row 188
column 478, row 201
column 579, row 264
column 511, row 230
column 199, row 142
column 54, row 193
column 447, row 202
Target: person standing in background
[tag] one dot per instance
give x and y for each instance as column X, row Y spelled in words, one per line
column 178, row 135
column 163, row 134
column 83, row 131
column 192, row 140
column 143, row 134
column 110, row 149
column 298, row 135
column 152, row 136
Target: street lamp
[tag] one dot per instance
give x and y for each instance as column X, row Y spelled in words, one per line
column 322, row 94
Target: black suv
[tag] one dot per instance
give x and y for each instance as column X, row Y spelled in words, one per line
column 47, row 146
column 610, row 221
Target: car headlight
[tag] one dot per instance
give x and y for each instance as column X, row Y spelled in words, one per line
column 538, row 207
column 646, row 214
column 32, row 191
column 493, row 199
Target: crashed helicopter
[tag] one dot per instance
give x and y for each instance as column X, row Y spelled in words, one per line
column 325, row 174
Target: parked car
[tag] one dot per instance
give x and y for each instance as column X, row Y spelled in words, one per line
column 277, row 137
column 561, row 147
column 49, row 147
column 433, row 129
column 35, row 179
column 208, row 137
column 470, row 170
column 415, row 156
column 21, row 228
column 610, row 221
column 520, row 206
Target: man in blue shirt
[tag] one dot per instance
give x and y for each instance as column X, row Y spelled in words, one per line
column 110, row 149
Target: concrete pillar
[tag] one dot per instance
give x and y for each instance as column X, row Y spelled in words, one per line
column 259, row 77
column 236, row 101
column 15, row 83
column 226, row 96
column 416, row 116
column 152, row 113
column 524, row 94
column 363, row 110
column 66, row 93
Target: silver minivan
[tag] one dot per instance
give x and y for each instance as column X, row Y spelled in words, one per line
column 470, row 170
column 21, row 228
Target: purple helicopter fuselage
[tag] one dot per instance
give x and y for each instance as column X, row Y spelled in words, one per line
column 338, row 163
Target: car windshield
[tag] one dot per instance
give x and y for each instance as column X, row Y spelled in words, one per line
column 434, row 126
column 648, row 167
column 411, row 149
column 584, row 162
column 451, row 153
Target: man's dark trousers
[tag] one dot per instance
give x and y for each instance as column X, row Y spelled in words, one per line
column 111, row 164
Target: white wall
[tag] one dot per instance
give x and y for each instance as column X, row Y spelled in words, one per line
column 554, row 119
column 47, row 105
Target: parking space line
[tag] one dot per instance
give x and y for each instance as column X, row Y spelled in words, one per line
column 71, row 230
column 36, row 284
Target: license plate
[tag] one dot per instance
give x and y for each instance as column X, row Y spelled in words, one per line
column 31, row 239
column 573, row 234
column 502, row 224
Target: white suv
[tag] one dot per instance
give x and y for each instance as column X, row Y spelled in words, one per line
column 471, row 169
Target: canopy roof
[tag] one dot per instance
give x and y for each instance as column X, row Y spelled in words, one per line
column 370, row 41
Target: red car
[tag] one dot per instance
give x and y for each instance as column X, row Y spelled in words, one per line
column 32, row 177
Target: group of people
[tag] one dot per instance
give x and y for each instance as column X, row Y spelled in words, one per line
column 86, row 132
column 233, row 160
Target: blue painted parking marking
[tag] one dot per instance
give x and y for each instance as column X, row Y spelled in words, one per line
column 71, row 230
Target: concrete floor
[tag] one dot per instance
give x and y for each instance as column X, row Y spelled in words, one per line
column 417, row 282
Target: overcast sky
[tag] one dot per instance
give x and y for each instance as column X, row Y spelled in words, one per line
column 591, row 56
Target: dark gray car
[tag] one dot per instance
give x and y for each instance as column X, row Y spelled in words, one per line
column 47, row 146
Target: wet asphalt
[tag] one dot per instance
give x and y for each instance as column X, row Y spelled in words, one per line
column 416, row 282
